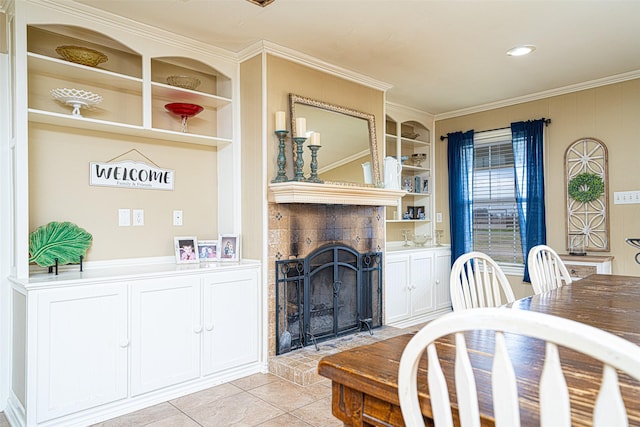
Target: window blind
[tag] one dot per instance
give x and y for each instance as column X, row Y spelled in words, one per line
column 496, row 230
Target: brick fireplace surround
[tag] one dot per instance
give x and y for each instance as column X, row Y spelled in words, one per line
column 296, row 230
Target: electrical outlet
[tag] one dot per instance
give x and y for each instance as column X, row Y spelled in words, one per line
column 438, row 216
column 138, row 217
column 177, row 217
column 124, row 217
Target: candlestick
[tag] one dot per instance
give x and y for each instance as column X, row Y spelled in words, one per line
column 299, row 176
column 282, row 160
column 280, row 121
column 314, row 162
column 301, row 128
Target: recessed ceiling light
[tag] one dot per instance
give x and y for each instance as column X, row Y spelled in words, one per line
column 521, row 50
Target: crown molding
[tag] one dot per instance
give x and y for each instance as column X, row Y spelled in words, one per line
column 618, row 78
column 265, row 46
column 134, row 27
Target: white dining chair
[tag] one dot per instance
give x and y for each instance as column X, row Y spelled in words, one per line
column 478, row 281
column 612, row 351
column 546, row 270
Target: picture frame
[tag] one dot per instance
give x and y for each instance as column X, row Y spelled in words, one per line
column 208, row 250
column 186, row 249
column 229, row 247
column 415, row 212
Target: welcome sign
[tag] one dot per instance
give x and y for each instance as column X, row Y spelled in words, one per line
column 130, row 174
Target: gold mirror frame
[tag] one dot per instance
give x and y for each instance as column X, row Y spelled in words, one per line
column 370, row 119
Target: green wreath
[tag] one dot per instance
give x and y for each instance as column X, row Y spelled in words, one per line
column 586, row 187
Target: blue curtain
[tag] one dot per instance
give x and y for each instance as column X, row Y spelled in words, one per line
column 527, row 138
column 460, row 160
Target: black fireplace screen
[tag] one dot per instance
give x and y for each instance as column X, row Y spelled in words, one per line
column 334, row 291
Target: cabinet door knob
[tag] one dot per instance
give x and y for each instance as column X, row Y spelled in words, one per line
column 437, row 281
column 209, row 327
column 124, row 343
column 197, row 329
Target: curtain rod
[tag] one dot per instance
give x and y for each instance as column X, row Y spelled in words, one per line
column 547, row 122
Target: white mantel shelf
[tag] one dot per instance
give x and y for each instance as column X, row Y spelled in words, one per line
column 332, row 194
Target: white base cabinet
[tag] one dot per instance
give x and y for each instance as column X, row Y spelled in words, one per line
column 416, row 285
column 101, row 347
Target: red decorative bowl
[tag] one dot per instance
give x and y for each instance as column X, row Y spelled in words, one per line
column 184, row 109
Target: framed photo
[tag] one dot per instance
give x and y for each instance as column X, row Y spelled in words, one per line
column 186, row 249
column 229, row 249
column 416, row 212
column 208, row 250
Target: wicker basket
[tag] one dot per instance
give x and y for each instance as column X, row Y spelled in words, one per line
column 185, row 82
column 82, row 55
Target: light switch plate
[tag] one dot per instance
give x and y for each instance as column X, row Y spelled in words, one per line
column 124, row 217
column 626, row 197
column 177, row 217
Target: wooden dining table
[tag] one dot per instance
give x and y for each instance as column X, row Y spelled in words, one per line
column 365, row 379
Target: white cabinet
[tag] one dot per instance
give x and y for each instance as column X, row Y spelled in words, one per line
column 581, row 266
column 82, row 339
column 165, row 332
column 442, row 275
column 100, row 346
column 415, row 286
column 231, row 320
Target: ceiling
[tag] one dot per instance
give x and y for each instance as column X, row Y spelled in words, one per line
column 439, row 56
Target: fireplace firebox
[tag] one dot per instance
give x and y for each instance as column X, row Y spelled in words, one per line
column 334, row 291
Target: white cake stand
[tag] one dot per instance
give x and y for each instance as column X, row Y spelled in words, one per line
column 76, row 98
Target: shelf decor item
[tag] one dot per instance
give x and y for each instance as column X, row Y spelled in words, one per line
column 82, row 55
column 184, row 82
column 58, row 243
column 184, row 110
column 76, row 98
column 299, row 163
column 418, row 158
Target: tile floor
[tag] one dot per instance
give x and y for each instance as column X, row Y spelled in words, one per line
column 264, row 400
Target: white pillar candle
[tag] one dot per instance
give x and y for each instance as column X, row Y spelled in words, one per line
column 315, row 138
column 301, row 127
column 280, row 121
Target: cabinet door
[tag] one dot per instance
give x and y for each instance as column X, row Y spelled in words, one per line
column 81, row 349
column 397, row 288
column 422, row 300
column 231, row 320
column 443, row 272
column 165, row 332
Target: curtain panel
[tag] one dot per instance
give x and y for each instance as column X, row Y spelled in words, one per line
column 460, row 162
column 527, row 140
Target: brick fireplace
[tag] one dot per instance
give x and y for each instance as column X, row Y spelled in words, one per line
column 298, row 229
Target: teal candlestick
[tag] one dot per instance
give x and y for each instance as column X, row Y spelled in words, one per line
column 314, row 164
column 282, row 159
column 299, row 176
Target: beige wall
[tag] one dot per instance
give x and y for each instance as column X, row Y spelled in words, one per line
column 609, row 113
column 59, row 190
column 286, row 77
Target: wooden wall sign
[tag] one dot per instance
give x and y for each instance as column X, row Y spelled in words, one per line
column 130, row 174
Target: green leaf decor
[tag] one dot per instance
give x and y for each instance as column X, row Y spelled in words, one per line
column 63, row 240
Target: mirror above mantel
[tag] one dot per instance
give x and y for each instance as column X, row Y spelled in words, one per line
column 348, row 140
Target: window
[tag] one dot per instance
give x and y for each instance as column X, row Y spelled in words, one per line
column 496, row 229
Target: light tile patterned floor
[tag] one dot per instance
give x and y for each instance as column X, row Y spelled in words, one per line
column 264, row 400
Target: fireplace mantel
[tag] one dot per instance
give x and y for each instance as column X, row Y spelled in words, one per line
column 332, row 194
